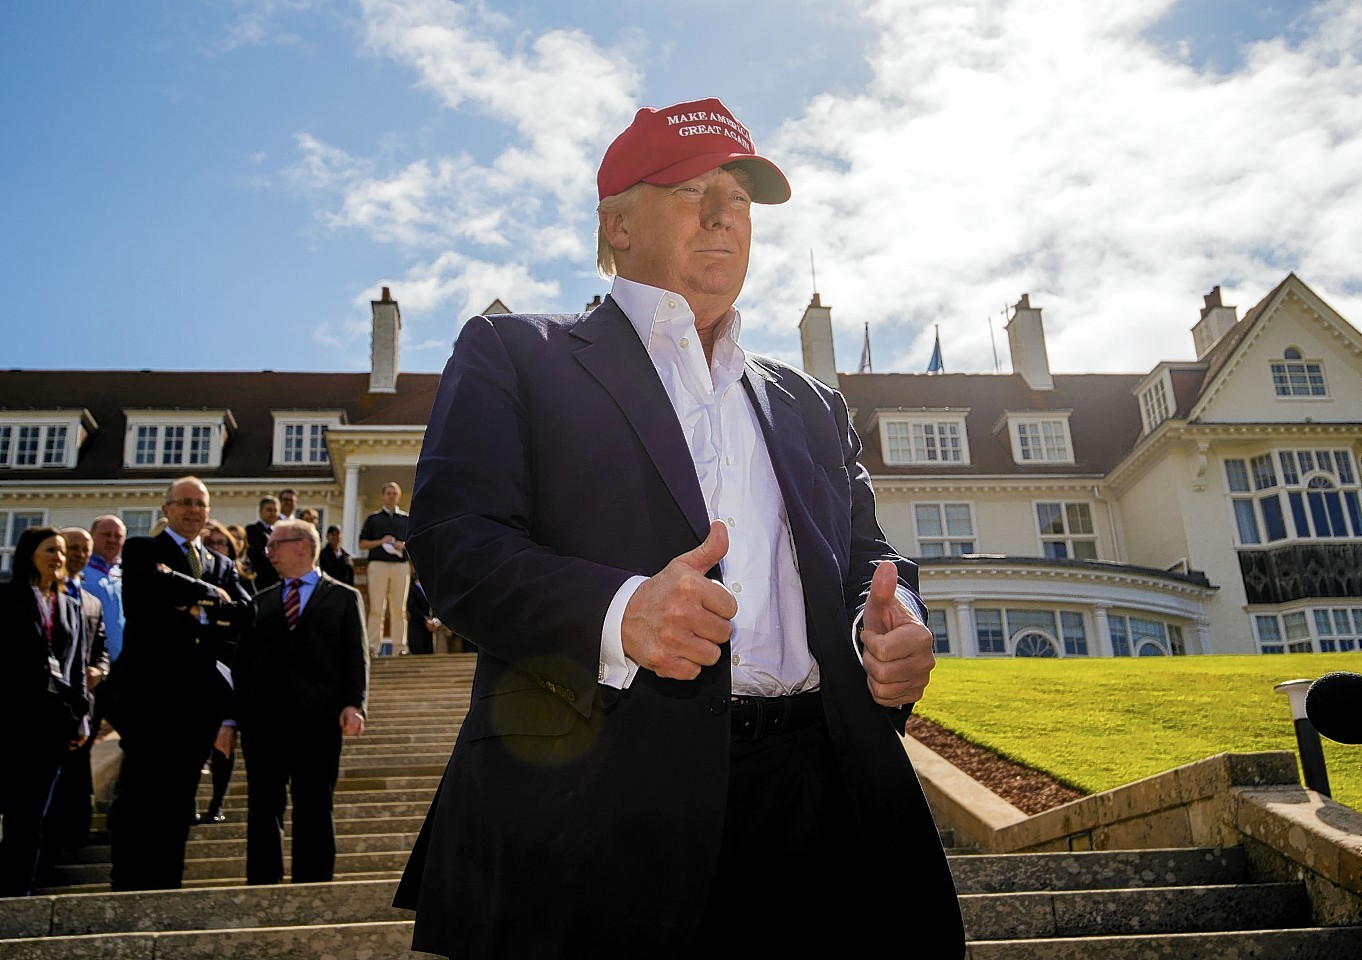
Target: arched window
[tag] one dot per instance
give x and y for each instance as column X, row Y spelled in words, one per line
column 1291, row 353
column 1034, row 644
column 1150, row 649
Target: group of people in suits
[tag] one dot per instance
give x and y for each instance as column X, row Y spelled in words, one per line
column 697, row 651
column 201, row 658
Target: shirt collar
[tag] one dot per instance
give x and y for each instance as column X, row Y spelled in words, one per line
column 309, row 579
column 657, row 313
column 181, row 541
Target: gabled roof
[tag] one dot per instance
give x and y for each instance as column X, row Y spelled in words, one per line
column 1104, row 422
column 251, row 397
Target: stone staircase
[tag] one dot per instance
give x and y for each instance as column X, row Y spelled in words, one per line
column 1185, row 903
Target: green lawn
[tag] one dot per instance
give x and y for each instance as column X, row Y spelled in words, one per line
column 1096, row 724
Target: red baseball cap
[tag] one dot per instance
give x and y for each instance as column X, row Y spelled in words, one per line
column 672, row 144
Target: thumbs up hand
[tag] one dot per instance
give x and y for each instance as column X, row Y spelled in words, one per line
column 675, row 622
column 898, row 647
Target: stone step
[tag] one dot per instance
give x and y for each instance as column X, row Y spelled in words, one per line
column 390, row 940
column 1006, row 873
column 1308, row 943
column 1107, row 913
column 233, row 868
column 202, row 846
column 285, row 904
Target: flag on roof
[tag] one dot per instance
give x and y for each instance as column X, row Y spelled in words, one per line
column 935, row 365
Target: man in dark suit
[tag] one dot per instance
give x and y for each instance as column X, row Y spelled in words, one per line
column 335, row 561
column 697, row 649
column 256, row 535
column 302, row 677
column 182, row 605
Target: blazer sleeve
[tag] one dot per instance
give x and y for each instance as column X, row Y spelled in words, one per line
column 868, row 544
column 355, row 649
column 473, row 518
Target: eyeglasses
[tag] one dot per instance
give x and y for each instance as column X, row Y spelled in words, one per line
column 215, row 542
column 187, row 502
column 273, row 545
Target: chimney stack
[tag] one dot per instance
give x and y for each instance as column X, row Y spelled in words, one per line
column 1026, row 340
column 387, row 326
column 815, row 336
column 1216, row 321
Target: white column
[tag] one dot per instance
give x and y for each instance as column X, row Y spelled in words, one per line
column 962, row 631
column 1203, row 635
column 1103, row 627
column 350, row 513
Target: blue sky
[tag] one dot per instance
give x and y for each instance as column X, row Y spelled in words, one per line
column 225, row 185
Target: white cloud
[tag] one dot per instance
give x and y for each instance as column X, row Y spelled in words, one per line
column 558, row 97
column 1042, row 146
column 436, row 296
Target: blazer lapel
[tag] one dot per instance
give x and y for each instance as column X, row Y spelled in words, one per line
column 318, row 596
column 173, row 555
column 614, row 356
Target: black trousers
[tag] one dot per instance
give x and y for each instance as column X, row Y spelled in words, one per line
column 149, row 819
column 300, row 759
column 794, row 867
column 29, row 765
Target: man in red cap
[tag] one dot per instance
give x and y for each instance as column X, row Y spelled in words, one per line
column 697, row 651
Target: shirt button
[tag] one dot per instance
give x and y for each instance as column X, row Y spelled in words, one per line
column 685, row 342
column 728, row 461
column 671, row 304
column 737, row 660
column 737, row 588
column 730, row 521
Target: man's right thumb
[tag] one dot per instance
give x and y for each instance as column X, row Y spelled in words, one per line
column 711, row 551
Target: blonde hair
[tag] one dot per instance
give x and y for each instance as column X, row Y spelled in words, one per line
column 612, row 205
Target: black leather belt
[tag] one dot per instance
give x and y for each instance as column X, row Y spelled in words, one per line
column 757, row 717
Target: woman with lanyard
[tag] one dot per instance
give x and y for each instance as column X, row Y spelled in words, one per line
column 44, row 709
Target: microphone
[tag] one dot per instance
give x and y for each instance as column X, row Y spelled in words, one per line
column 1334, row 706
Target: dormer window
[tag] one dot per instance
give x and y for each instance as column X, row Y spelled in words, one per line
column 300, row 438
column 924, row 439
column 1041, row 439
column 176, row 438
column 1294, row 376
column 1154, row 405
column 37, row 440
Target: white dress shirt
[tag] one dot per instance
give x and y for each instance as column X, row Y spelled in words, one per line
column 770, row 647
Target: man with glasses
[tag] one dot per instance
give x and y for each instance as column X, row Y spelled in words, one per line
column 302, row 677
column 183, row 605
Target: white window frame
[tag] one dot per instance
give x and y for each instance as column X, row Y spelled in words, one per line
column 74, row 424
column 1156, row 404
column 1068, row 537
column 947, row 541
column 310, row 421
column 1057, row 634
column 133, row 518
column 8, row 536
column 1276, row 495
column 1321, row 626
column 924, row 440
column 1051, row 430
column 1294, row 370
column 169, row 428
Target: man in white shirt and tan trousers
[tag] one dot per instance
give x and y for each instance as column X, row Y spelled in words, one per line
column 697, row 651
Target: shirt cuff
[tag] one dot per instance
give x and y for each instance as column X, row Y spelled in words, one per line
column 904, row 596
column 617, row 670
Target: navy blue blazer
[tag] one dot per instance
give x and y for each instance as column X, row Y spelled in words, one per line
column 554, row 468
column 166, row 682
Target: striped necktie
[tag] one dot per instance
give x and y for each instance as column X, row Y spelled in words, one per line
column 292, row 599
column 191, row 552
